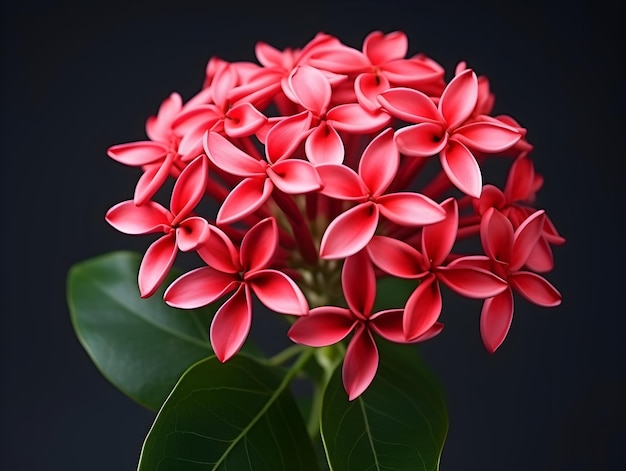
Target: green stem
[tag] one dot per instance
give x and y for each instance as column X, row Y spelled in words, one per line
column 284, row 355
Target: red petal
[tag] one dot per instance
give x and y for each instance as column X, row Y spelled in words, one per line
column 323, row 326
column 341, row 182
column 278, row 292
column 410, row 209
column 475, row 261
column 242, row 120
column 229, row 158
column 459, row 98
column 410, row 105
column 438, row 239
column 422, row 309
column 221, row 254
column 137, row 153
column 541, row 259
column 495, row 320
column 148, row 218
column 324, row 146
column 496, row 235
column 360, row 363
column 342, row 59
column 352, row 117
column 268, row 55
column 294, row 176
column 285, row 136
column 189, row 188
column 421, row 140
column 311, row 88
column 486, row 136
column 525, row 239
column 471, row 282
column 379, row 163
column 367, row 87
column 535, row 289
column 244, row 199
column 156, row 264
column 258, row 245
column 350, row 231
column 462, row 169
column 388, row 324
column 416, row 73
column 197, row 119
column 152, row 179
column 192, row 233
column 519, row 183
column 159, row 127
column 395, row 257
column 381, row 48
column 231, row 325
column 490, row 197
column 359, row 283
column 199, row 287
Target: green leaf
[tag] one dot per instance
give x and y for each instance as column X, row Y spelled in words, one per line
column 142, row 346
column 239, row 415
column 392, row 292
column 399, row 423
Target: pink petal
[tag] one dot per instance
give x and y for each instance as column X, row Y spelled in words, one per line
column 231, row 325
column 410, row 105
column 359, row 283
column 199, row 287
column 136, row 154
column 294, row 176
column 519, row 182
column 228, row 157
column 342, row 59
column 470, row 282
column 156, row 264
column 476, row 261
column 416, row 73
column 159, row 127
column 379, row 163
column 341, row 182
column 148, row 218
column 461, row 168
column 525, row 239
column 495, row 320
column 311, row 88
column 152, row 179
column 422, row 309
column 490, row 197
column 410, row 209
column 225, row 79
column 244, row 199
column 258, row 245
column 189, row 188
column 459, row 98
column 221, row 254
column 323, row 326
column 352, row 117
column 438, row 239
column 395, row 257
column 388, row 324
column 278, row 292
column 535, row 289
column 360, row 363
column 267, row 55
column 487, row 136
column 349, row 232
column 324, row 146
column 421, row 140
column 541, row 259
column 430, row 333
column 367, row 87
column 381, row 48
column 496, row 235
column 243, row 120
column 192, row 233
column 196, row 119
column 285, row 136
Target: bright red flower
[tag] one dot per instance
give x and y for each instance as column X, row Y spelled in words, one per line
column 444, row 129
column 183, row 229
column 429, row 266
column 353, row 229
column 328, row 325
column 244, row 271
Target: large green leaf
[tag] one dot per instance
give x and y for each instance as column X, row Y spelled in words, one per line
column 141, row 345
column 399, row 423
column 236, row 416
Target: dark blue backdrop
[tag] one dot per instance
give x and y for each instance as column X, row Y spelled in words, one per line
column 77, row 79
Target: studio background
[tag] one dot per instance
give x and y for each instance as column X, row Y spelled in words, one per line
column 77, row 79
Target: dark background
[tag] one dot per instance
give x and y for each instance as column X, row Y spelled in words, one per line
column 77, row 79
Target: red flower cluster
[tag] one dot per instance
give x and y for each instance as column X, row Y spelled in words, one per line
column 314, row 157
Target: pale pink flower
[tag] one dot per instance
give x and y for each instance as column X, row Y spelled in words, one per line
column 244, row 271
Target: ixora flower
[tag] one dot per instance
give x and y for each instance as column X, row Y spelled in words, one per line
column 299, row 182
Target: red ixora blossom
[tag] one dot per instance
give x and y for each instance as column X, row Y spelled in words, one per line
column 299, row 180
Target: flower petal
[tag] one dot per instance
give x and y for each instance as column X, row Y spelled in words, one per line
column 258, row 245
column 199, row 287
column 461, row 168
column 495, row 320
column 352, row 117
column 367, row 87
column 410, row 209
column 323, row 326
column 459, row 98
column 525, row 239
column 324, row 146
column 520, row 180
column 243, row 119
column 189, row 188
column 285, row 136
column 221, row 254
column 350, row 231
column 421, row 140
column 379, row 163
column 311, row 88
column 487, row 136
column 191, row 233
column 152, row 180
column 471, row 282
column 410, row 105
column 136, row 154
column 388, row 324
column 395, row 257
column 422, row 309
column 229, row 158
column 439, row 238
column 360, row 363
column 341, row 182
column 231, row 325
column 535, row 289
column 496, row 235
column 148, row 218
column 156, row 264
column 359, row 283
column 278, row 292
column 248, row 196
column 294, row 176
